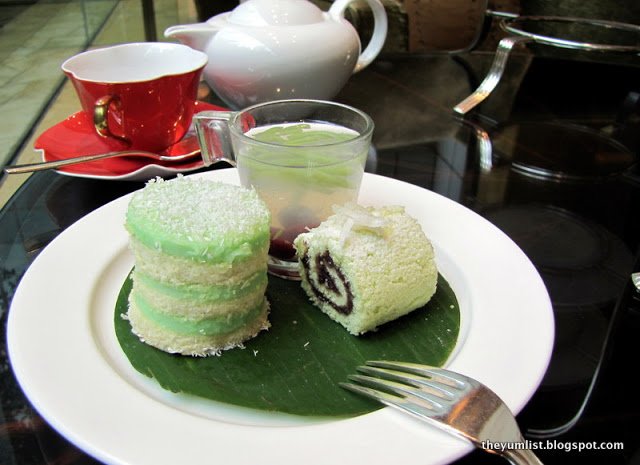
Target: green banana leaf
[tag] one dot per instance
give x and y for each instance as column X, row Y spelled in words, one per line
column 296, row 365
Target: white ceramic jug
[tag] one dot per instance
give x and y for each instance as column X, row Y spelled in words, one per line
column 281, row 49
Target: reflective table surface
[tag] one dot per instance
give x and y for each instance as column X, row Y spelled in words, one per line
column 550, row 158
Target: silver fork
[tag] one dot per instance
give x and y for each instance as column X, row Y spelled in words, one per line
column 448, row 400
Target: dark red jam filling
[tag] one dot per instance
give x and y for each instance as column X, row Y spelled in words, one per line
column 324, row 264
column 281, row 245
column 282, row 249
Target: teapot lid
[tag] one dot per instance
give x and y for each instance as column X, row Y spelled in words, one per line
column 275, row 13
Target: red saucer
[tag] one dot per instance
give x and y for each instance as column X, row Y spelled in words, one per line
column 76, row 136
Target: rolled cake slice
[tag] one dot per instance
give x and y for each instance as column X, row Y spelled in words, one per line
column 366, row 266
column 200, row 250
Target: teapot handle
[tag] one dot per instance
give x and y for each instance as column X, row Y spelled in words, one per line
column 379, row 29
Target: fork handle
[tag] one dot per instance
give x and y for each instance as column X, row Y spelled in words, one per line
column 522, row 457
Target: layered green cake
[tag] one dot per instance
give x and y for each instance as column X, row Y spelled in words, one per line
column 366, row 266
column 200, row 249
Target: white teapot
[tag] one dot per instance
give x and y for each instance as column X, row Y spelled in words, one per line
column 280, row 49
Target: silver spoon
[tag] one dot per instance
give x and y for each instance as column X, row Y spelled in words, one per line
column 48, row 165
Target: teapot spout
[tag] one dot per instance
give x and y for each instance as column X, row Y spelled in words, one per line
column 196, row 36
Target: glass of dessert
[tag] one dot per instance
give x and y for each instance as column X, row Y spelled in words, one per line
column 301, row 156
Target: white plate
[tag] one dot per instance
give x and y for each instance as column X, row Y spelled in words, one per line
column 64, row 352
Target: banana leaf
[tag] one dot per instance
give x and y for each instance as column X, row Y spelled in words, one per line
column 296, row 365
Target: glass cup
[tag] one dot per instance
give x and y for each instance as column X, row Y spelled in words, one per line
column 301, row 156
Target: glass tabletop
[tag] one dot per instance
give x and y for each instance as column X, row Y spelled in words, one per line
column 549, row 157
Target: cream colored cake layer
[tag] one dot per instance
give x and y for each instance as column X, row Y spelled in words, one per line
column 194, row 343
column 167, row 268
column 366, row 266
column 198, row 301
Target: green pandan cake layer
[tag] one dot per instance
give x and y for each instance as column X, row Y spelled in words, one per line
column 201, row 220
column 213, row 325
column 205, row 292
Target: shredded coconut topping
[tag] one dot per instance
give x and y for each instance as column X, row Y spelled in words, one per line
column 359, row 218
column 197, row 208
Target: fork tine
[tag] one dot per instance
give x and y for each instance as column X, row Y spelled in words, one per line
column 368, row 392
column 414, row 405
column 410, row 404
column 454, row 380
column 374, row 394
column 417, row 381
column 402, row 391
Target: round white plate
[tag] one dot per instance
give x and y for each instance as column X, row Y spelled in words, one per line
column 64, row 351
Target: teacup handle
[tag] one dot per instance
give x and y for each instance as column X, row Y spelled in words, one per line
column 212, row 129
column 101, row 116
column 379, row 29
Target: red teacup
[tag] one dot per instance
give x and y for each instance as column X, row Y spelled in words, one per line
column 142, row 93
